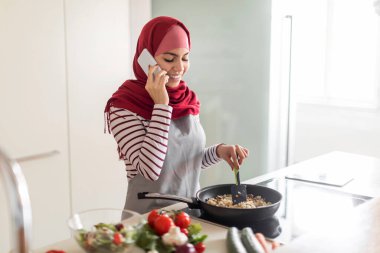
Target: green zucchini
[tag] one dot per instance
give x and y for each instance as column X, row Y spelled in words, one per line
column 251, row 244
column 234, row 243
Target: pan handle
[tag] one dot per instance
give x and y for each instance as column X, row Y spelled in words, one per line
column 191, row 202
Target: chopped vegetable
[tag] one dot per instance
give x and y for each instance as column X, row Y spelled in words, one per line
column 200, row 247
column 194, row 236
column 162, row 224
column 186, row 248
column 182, row 220
column 185, row 231
column 260, row 237
column 118, row 238
column 234, row 243
column 174, row 237
column 105, row 237
column 251, row 244
column 153, row 215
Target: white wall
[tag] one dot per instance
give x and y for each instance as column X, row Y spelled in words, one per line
column 140, row 14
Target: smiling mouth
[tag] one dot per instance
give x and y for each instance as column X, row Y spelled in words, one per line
column 175, row 77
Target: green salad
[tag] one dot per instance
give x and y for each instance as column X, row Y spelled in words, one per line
column 106, row 238
column 162, row 232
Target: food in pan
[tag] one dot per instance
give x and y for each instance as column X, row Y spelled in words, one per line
column 226, row 201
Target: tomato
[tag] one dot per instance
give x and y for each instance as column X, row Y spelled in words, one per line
column 153, row 215
column 200, row 247
column 118, row 238
column 162, row 224
column 184, row 230
column 182, row 220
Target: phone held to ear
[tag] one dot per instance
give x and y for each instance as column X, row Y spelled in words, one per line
column 145, row 59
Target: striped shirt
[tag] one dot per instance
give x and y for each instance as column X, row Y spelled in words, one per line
column 143, row 143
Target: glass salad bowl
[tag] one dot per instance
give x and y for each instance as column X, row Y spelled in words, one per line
column 103, row 230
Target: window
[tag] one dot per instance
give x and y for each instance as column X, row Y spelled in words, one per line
column 336, row 52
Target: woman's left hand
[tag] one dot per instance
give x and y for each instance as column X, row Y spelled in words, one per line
column 232, row 154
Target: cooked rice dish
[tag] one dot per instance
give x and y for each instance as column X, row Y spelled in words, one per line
column 226, row 201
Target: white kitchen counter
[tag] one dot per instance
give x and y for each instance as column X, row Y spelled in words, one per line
column 360, row 232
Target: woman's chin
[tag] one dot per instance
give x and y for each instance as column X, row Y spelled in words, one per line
column 173, row 83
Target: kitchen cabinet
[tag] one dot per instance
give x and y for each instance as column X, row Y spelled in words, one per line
column 60, row 60
column 34, row 110
column 98, row 58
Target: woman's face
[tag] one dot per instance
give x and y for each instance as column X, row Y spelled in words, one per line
column 176, row 63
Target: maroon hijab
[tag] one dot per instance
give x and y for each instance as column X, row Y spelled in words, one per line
column 132, row 95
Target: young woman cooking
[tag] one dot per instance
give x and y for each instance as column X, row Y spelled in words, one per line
column 155, row 121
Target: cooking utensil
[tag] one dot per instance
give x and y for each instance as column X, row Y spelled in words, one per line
column 238, row 191
column 233, row 216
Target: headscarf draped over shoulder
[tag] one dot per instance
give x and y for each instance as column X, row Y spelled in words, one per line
column 132, row 95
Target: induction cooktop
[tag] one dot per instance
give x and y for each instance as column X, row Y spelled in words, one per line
column 305, row 207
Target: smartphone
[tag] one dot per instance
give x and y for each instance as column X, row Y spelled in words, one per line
column 145, row 59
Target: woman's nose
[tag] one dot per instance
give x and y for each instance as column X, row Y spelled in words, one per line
column 179, row 66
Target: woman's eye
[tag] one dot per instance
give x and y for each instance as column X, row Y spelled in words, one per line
column 168, row 60
column 185, row 59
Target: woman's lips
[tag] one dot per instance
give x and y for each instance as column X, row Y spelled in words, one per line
column 175, row 77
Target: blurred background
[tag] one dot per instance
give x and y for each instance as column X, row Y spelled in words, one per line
column 287, row 79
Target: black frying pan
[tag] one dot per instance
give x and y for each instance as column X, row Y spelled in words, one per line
column 222, row 214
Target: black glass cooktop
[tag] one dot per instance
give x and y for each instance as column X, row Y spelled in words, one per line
column 305, row 207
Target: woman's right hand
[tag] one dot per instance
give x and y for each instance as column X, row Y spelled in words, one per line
column 155, row 86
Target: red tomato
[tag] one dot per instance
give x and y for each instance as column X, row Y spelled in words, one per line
column 153, row 215
column 184, row 230
column 182, row 220
column 162, row 224
column 117, row 238
column 200, row 247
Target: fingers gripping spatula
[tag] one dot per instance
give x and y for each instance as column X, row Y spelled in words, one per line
column 238, row 191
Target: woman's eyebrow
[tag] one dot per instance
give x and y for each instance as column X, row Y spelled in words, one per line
column 173, row 54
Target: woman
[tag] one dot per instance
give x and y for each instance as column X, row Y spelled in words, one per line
column 155, row 121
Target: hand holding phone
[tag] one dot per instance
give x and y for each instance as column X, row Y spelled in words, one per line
column 155, row 86
column 145, row 59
